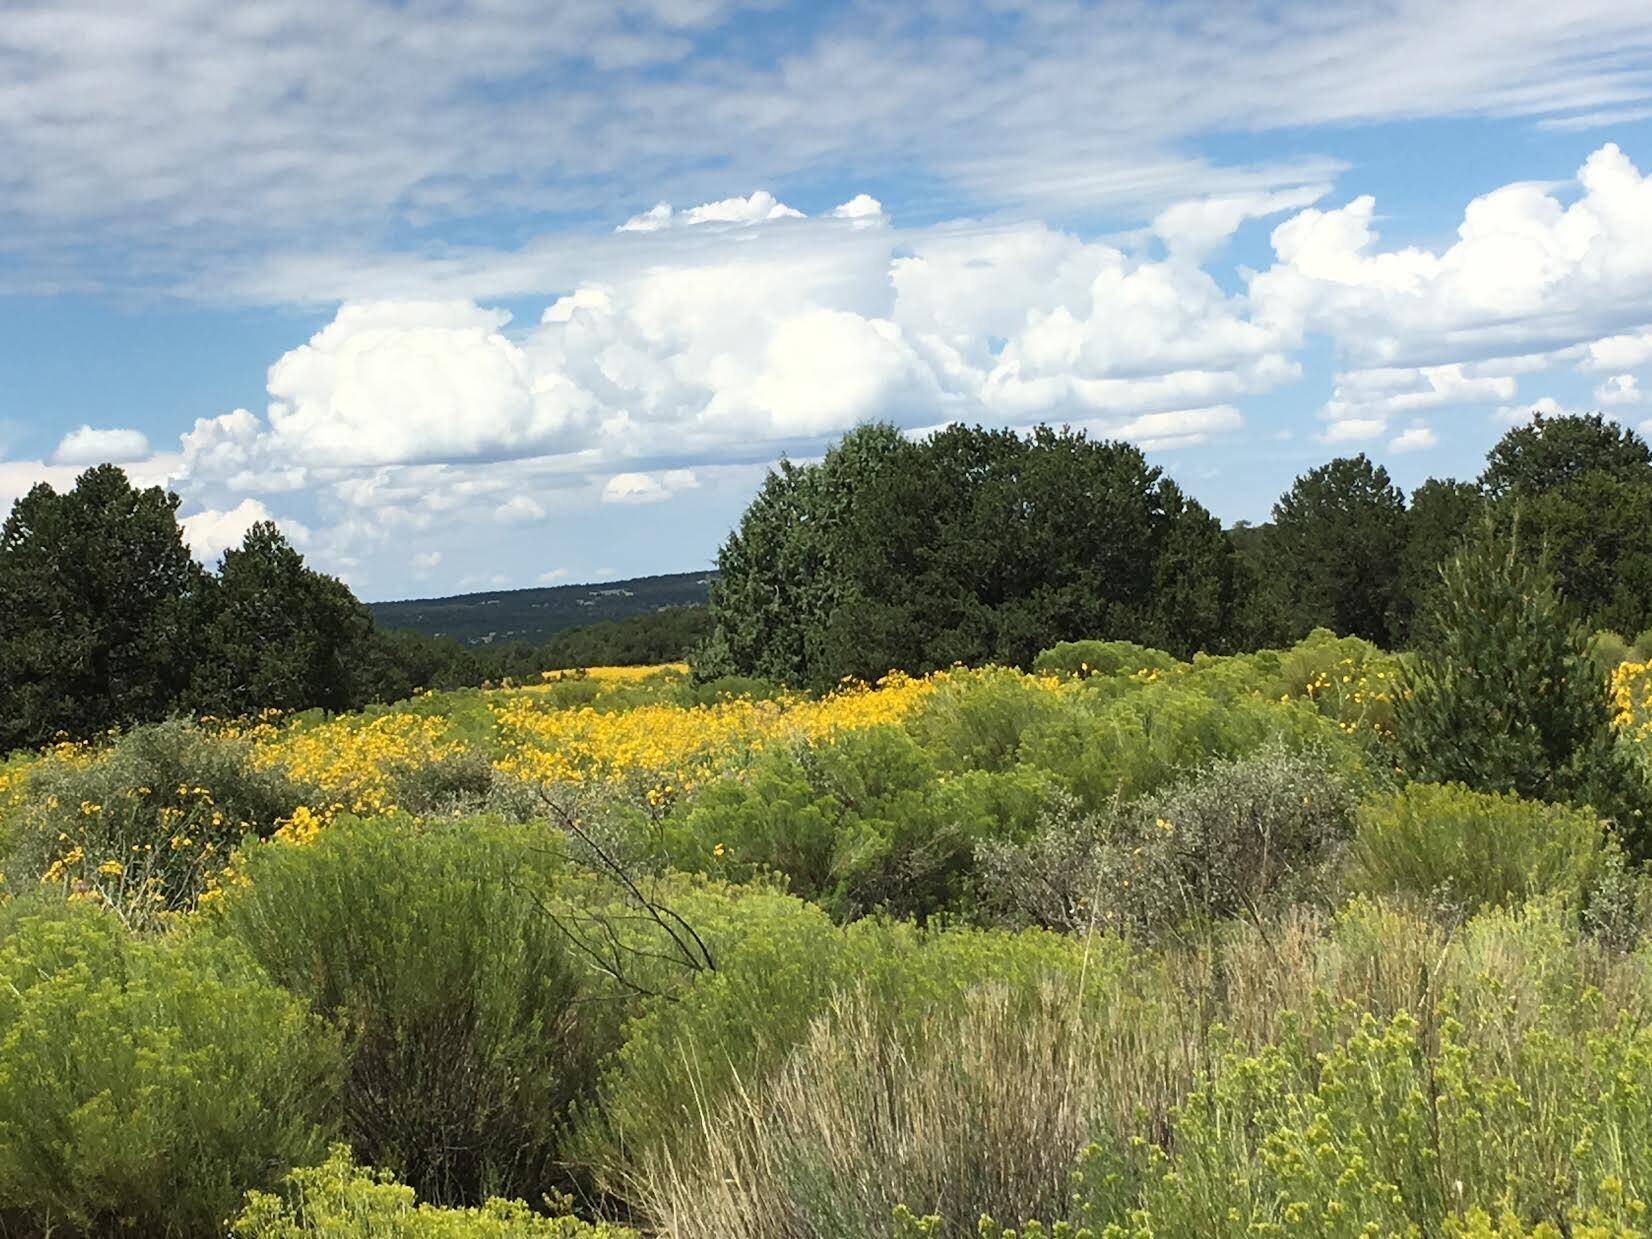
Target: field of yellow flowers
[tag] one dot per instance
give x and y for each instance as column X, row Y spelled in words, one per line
column 1122, row 942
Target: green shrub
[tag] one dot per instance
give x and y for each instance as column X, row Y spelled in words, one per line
column 1225, row 841
column 1475, row 849
column 470, row 1030
column 341, row 1200
column 780, row 964
column 976, row 720
column 1506, row 697
column 1127, row 746
column 148, row 823
column 145, row 1085
column 1507, row 1073
column 1103, row 658
column 860, row 821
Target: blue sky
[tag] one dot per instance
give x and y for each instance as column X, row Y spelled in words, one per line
column 480, row 293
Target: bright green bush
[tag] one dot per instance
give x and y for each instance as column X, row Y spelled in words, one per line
column 977, row 720
column 1131, row 745
column 1475, row 849
column 149, row 822
column 780, row 964
column 341, row 1200
column 861, row 821
column 1104, row 658
column 471, row 1028
column 145, row 1085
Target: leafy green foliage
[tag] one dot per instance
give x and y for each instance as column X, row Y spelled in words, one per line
column 280, row 636
column 1506, row 698
column 144, row 1085
column 1549, row 453
column 1338, row 536
column 1473, row 849
column 470, row 1031
column 862, row 822
column 147, row 823
column 341, row 1200
column 968, row 546
column 99, row 604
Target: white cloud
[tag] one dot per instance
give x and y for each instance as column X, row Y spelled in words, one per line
column 519, row 509
column 655, row 218
column 1620, row 352
column 1353, row 429
column 759, row 207
column 554, row 577
column 1620, row 389
column 426, row 562
column 212, row 119
column 403, row 382
column 1193, row 229
column 648, row 487
column 1594, row 120
column 862, row 209
column 91, row 446
column 211, row 533
column 1519, row 414
column 1526, row 274
column 1415, row 438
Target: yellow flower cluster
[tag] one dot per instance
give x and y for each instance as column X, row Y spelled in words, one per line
column 353, row 760
column 1631, row 693
column 671, row 748
column 614, row 675
column 1356, row 696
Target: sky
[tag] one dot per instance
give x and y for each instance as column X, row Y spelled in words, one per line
column 478, row 294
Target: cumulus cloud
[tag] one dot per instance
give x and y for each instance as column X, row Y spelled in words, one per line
column 862, row 209
column 719, row 342
column 648, row 487
column 91, row 446
column 1619, row 389
column 757, row 208
column 1526, row 273
column 211, row 533
column 1416, row 437
column 405, row 382
column 519, row 509
column 1193, row 229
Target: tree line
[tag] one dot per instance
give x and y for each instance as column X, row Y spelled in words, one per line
column 973, row 545
column 970, row 545
column 107, row 620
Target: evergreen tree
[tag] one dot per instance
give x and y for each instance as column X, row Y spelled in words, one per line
column 972, row 545
column 1550, row 452
column 1504, row 696
column 1440, row 515
column 280, row 636
column 1335, row 550
column 99, row 608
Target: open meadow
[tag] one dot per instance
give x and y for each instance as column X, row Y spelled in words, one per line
column 1123, row 945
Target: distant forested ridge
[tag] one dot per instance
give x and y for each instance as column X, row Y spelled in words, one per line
column 535, row 615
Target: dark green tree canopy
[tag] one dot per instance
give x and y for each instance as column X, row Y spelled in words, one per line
column 1335, row 551
column 1549, row 453
column 99, row 607
column 1503, row 696
column 970, row 545
column 281, row 635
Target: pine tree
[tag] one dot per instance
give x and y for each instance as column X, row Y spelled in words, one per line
column 1504, row 697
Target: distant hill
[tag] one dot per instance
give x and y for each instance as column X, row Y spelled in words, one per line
column 539, row 614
